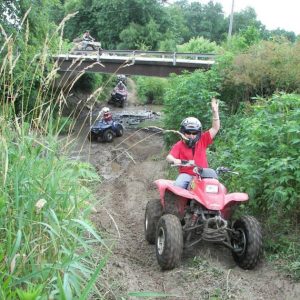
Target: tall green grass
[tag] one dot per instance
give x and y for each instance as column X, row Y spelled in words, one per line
column 47, row 248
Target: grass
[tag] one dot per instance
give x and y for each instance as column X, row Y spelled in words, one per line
column 49, row 247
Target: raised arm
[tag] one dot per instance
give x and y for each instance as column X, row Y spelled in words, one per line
column 215, row 118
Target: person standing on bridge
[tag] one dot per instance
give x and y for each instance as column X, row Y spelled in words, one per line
column 194, row 146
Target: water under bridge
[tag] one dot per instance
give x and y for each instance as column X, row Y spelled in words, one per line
column 145, row 63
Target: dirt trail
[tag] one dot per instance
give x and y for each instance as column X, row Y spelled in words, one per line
column 129, row 166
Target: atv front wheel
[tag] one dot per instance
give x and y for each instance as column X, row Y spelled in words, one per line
column 247, row 242
column 169, row 242
column 152, row 214
column 108, row 136
column 119, row 131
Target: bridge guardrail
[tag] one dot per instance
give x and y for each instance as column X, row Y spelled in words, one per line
column 161, row 54
column 171, row 56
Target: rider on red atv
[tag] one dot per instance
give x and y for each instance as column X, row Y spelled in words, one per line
column 194, row 146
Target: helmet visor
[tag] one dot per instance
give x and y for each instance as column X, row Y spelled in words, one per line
column 191, row 132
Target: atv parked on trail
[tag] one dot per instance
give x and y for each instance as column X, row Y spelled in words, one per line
column 181, row 218
column 106, row 131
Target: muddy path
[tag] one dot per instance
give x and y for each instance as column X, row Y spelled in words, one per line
column 128, row 166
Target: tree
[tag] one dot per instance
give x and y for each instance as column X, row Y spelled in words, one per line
column 203, row 20
column 106, row 19
column 245, row 18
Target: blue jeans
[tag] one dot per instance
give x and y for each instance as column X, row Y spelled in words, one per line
column 183, row 180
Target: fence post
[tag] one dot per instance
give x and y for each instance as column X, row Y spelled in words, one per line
column 174, row 59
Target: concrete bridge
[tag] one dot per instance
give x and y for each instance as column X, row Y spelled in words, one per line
column 145, row 63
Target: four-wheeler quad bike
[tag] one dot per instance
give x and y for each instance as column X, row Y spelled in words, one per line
column 119, row 95
column 105, row 131
column 181, row 218
column 82, row 47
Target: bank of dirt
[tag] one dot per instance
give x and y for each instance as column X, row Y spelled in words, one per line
column 128, row 167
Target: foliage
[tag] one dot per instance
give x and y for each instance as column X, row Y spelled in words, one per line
column 264, row 68
column 47, row 248
column 189, row 95
column 270, row 129
column 244, row 19
column 243, row 40
column 279, row 33
column 143, row 37
column 263, row 143
column 88, row 82
column 26, row 52
column 206, row 20
column 45, row 202
column 106, row 19
column 151, row 89
column 198, row 45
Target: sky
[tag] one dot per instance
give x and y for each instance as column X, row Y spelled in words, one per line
column 284, row 14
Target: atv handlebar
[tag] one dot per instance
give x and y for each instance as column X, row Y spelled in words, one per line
column 185, row 163
column 220, row 170
column 191, row 163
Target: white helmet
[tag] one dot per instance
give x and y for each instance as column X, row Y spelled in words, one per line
column 105, row 109
column 191, row 125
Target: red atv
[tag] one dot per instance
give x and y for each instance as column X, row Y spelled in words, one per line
column 181, row 218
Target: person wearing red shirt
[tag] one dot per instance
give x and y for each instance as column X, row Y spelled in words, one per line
column 194, row 146
column 105, row 115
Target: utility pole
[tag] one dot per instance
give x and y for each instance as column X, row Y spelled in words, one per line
column 231, row 20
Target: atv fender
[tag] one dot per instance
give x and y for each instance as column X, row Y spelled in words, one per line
column 163, row 185
column 236, row 197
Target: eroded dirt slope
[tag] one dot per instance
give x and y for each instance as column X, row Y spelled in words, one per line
column 129, row 166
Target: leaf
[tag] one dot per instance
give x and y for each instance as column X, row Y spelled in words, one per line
column 93, row 279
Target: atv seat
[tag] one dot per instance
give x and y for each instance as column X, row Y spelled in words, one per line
column 208, row 173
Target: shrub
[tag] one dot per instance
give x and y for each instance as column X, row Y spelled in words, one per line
column 151, row 90
column 189, row 95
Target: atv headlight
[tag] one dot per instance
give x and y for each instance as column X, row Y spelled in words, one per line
column 211, row 188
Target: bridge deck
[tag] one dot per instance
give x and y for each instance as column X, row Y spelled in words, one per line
column 149, row 63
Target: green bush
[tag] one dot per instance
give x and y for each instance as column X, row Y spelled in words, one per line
column 198, row 45
column 263, row 69
column 262, row 143
column 151, row 90
column 189, row 95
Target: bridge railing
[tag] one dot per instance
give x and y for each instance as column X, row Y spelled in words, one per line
column 161, row 54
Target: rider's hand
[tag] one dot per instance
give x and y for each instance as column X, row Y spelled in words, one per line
column 214, row 105
column 177, row 161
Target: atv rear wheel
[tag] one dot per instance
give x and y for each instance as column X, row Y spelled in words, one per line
column 169, row 242
column 119, row 131
column 247, row 242
column 152, row 214
column 108, row 136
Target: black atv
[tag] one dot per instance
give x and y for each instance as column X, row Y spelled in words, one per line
column 105, row 131
column 119, row 95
